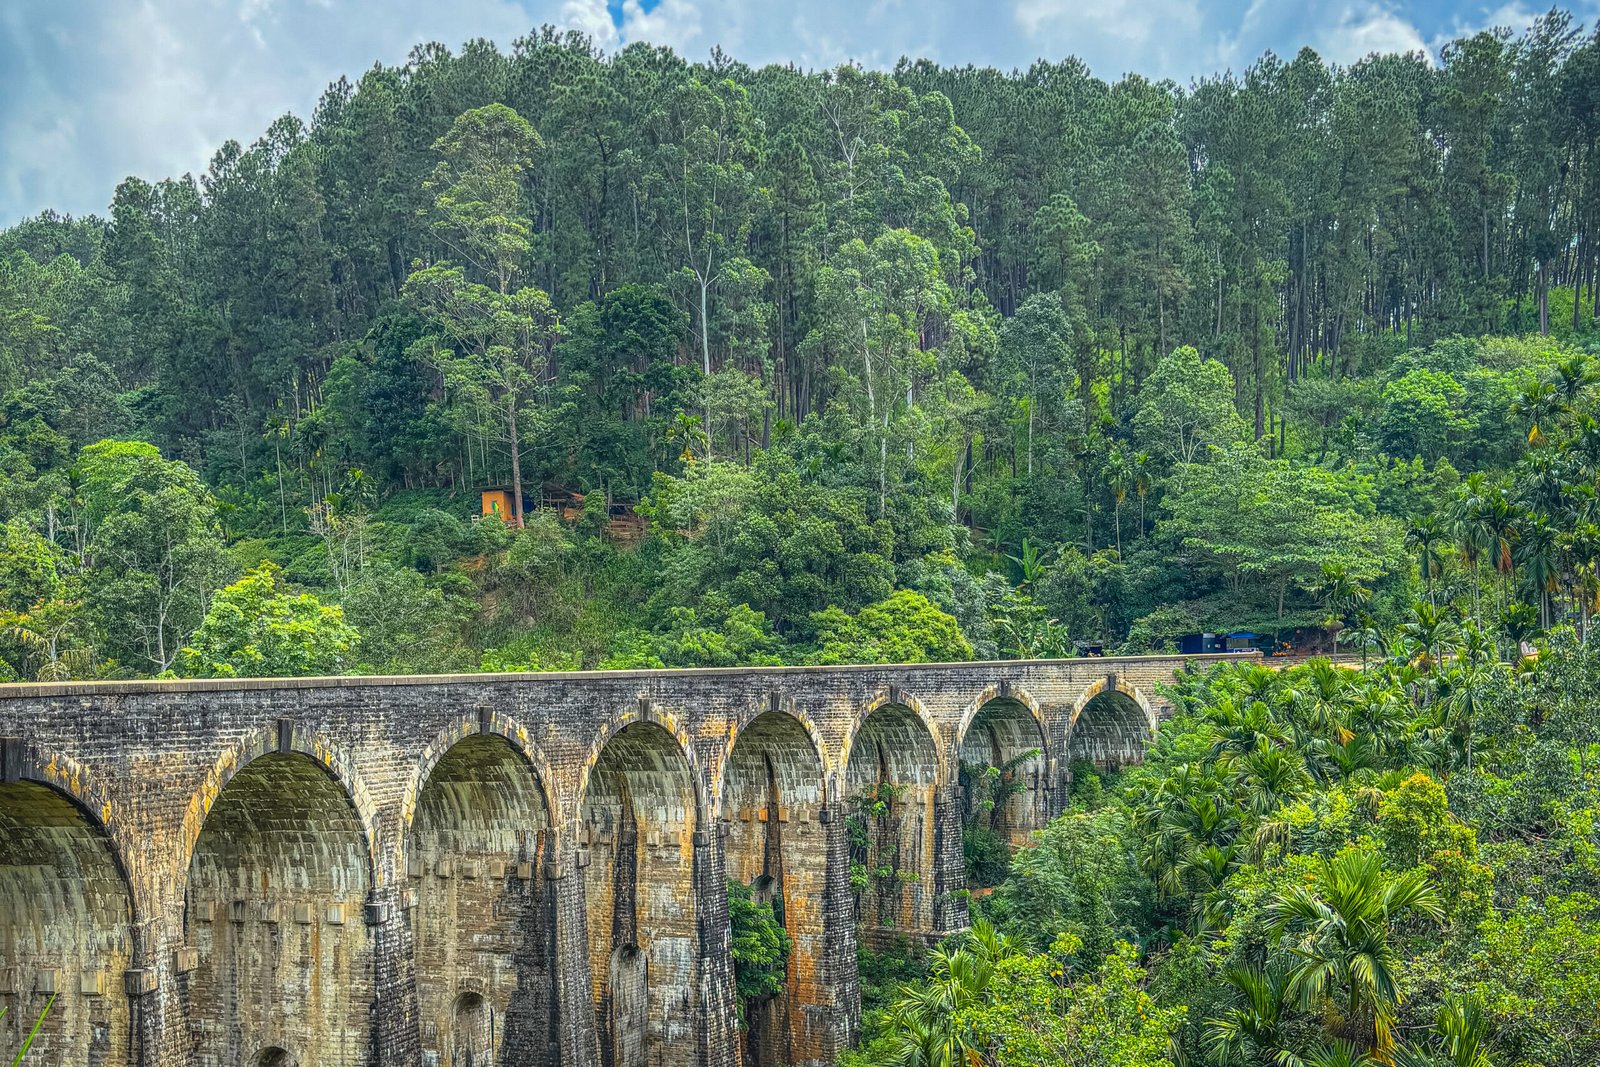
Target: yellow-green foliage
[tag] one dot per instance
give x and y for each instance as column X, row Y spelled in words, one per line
column 1418, row 830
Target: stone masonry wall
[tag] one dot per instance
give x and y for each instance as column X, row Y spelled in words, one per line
column 207, row 872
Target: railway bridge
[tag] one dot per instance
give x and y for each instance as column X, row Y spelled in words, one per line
column 459, row 871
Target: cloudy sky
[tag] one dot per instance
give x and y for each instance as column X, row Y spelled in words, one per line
column 94, row 90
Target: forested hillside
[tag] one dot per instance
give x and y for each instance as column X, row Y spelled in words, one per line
column 814, row 366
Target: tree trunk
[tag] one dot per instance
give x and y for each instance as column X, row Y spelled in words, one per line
column 1260, row 399
column 1486, row 244
column 283, row 506
column 516, row 462
column 955, row 488
column 1544, row 304
column 1277, row 632
column 883, row 471
column 705, row 360
column 1031, row 402
column 1577, row 279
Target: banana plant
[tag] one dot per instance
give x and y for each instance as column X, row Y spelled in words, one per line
column 1031, row 564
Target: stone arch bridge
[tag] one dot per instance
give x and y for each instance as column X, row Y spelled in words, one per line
column 503, row 869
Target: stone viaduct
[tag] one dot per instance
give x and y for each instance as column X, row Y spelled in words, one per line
column 479, row 870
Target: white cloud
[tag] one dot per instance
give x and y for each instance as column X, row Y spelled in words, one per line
column 105, row 88
column 676, row 24
column 1513, row 15
column 1365, row 28
column 590, row 17
column 1157, row 38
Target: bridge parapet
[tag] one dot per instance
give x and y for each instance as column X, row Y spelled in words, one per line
column 530, row 865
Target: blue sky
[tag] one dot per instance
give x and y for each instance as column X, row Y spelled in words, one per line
column 94, row 90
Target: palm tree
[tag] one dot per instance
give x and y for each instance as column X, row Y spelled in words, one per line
column 1141, row 483
column 1271, row 777
column 1237, row 731
column 1477, row 644
column 1381, row 720
column 1582, row 545
column 1462, row 1031
column 1317, row 699
column 1467, row 520
column 689, row 431
column 1542, row 484
column 1340, row 928
column 1253, row 1032
column 1500, row 519
column 1333, row 1054
column 1259, row 682
column 1357, row 756
column 1539, row 553
column 1341, row 592
column 1574, row 375
column 1520, row 623
column 1584, row 449
column 1428, row 536
column 1119, row 479
column 1188, row 813
column 1203, row 872
column 922, row 1020
column 1429, row 635
column 1535, row 406
column 1370, row 636
column 1466, row 699
column 48, row 638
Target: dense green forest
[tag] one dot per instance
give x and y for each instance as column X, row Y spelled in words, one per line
column 793, row 366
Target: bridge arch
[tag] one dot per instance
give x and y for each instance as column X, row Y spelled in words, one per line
column 780, row 704
column 485, row 724
column 280, row 869
column 896, row 698
column 645, row 712
column 771, row 795
column 1002, row 691
column 68, row 910
column 894, row 773
column 23, row 761
column 284, row 737
column 479, row 833
column 1111, row 724
column 1003, row 753
column 640, row 820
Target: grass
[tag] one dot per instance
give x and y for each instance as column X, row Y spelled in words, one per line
column 38, row 1024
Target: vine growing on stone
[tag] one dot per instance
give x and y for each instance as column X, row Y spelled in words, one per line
column 988, row 790
column 874, row 822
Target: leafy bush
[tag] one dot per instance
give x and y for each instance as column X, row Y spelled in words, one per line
column 760, row 945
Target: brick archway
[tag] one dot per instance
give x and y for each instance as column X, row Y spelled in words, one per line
column 279, row 876
column 68, row 914
column 483, row 916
